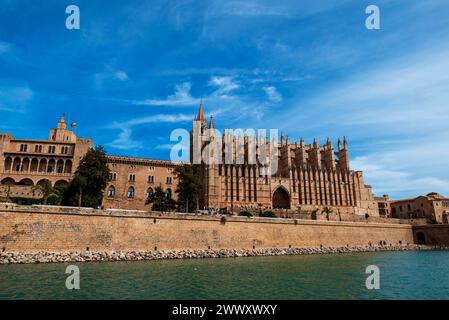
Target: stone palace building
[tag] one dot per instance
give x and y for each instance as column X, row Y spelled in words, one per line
column 26, row 163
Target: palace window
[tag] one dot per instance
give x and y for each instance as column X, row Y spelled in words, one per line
column 51, row 149
column 111, row 192
column 149, row 193
column 132, row 177
column 112, row 176
column 168, row 180
column 131, row 193
column 23, row 147
column 151, row 179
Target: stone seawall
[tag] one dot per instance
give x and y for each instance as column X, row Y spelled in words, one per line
column 88, row 256
column 54, row 229
column 434, row 235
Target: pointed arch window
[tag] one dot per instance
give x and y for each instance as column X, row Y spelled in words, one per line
column 111, row 192
column 131, row 192
column 149, row 193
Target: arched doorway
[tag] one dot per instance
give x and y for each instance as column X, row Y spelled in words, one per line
column 61, row 184
column 25, row 182
column 8, row 163
column 281, row 199
column 420, row 238
column 8, row 182
column 42, row 182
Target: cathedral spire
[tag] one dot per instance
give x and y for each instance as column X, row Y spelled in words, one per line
column 200, row 116
column 211, row 123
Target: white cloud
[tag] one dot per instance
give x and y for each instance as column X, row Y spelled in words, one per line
column 403, row 102
column 224, row 84
column 109, row 74
column 121, row 75
column 154, row 119
column 248, row 8
column 273, row 94
column 181, row 97
column 408, row 170
column 166, row 146
column 125, row 141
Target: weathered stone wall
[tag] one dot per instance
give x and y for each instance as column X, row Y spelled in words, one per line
column 435, row 235
column 35, row 228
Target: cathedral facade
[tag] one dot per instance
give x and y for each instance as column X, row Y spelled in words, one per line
column 307, row 177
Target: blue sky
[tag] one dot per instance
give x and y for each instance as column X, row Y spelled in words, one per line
column 136, row 70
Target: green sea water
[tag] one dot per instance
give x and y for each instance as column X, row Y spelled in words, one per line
column 403, row 275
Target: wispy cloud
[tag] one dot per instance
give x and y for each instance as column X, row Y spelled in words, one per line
column 273, row 94
column 121, row 75
column 109, row 73
column 125, row 141
column 225, row 100
column 391, row 172
column 4, row 47
column 249, row 8
column 404, row 101
column 224, row 85
column 15, row 99
column 181, row 97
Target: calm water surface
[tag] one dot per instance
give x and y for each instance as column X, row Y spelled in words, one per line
column 404, row 275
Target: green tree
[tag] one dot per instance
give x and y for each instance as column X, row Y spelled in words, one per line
column 46, row 190
column 268, row 214
column 327, row 211
column 91, row 178
column 245, row 214
column 188, row 189
column 162, row 201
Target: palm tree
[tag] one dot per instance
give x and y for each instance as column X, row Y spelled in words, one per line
column 46, row 190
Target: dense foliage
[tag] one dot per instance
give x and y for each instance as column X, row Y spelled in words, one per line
column 267, row 214
column 161, row 201
column 189, row 186
column 90, row 179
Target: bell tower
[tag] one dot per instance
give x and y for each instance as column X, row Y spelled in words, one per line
column 61, row 134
